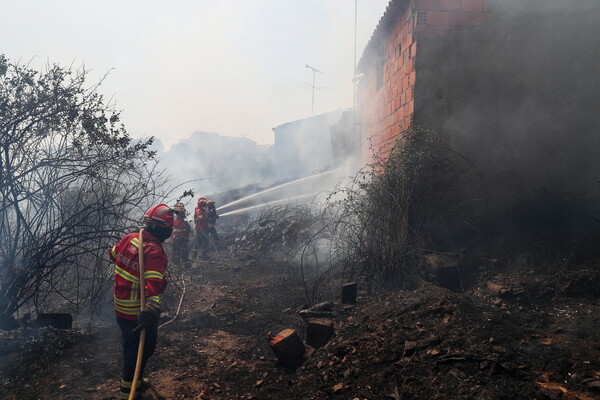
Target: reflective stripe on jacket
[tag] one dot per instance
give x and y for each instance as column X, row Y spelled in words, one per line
column 181, row 229
column 200, row 219
column 127, row 277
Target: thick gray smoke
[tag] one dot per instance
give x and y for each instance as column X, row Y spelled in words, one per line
column 519, row 96
column 211, row 163
column 308, row 159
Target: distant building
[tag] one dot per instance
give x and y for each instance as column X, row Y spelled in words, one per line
column 304, row 147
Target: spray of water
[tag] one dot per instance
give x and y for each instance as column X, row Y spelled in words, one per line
column 284, row 185
column 270, row 203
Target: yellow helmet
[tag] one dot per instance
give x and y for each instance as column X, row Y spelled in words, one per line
column 180, row 207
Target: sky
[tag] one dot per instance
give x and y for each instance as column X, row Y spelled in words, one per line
column 235, row 67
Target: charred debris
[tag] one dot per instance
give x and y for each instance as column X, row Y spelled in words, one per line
column 397, row 286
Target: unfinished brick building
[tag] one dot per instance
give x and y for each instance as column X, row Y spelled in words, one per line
column 388, row 88
column 513, row 86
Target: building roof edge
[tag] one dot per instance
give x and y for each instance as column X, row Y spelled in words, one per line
column 393, row 9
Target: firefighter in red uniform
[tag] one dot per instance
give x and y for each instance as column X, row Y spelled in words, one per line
column 201, row 222
column 158, row 226
column 181, row 235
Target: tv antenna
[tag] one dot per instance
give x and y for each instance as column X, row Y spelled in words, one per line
column 314, row 70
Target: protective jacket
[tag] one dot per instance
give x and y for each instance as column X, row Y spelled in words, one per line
column 212, row 217
column 200, row 219
column 127, row 276
column 181, row 229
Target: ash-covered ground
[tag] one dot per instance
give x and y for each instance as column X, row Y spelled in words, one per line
column 526, row 328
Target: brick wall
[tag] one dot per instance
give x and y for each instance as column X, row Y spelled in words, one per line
column 517, row 97
column 387, row 101
column 437, row 16
column 387, row 110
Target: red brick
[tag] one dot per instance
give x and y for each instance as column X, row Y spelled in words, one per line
column 406, row 42
column 437, row 18
column 403, row 126
column 450, row 4
column 427, row 4
column 413, row 49
column 432, row 31
column 404, row 31
column 398, row 27
column 389, row 121
column 467, row 18
column 472, row 5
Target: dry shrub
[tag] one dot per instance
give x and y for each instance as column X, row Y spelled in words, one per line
column 398, row 208
column 279, row 231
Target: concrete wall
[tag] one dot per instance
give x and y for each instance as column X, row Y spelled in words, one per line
column 303, row 147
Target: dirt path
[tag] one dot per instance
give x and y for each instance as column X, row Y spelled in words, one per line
column 216, row 342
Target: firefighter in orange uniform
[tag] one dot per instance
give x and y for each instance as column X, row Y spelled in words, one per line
column 158, row 226
column 181, row 235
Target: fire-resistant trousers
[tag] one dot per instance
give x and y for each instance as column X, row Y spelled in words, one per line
column 202, row 240
column 131, row 341
column 180, row 250
column 213, row 234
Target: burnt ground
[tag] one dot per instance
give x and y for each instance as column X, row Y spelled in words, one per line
column 519, row 331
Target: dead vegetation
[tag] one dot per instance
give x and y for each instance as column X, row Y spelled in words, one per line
column 63, row 200
column 426, row 343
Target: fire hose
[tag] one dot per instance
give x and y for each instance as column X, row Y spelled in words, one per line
column 140, row 353
column 178, row 307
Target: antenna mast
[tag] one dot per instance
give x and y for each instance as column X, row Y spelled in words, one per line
column 314, row 70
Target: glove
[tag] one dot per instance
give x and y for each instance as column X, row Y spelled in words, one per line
column 148, row 317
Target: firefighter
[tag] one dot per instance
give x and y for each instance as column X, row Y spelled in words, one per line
column 201, row 225
column 211, row 215
column 181, row 235
column 158, row 226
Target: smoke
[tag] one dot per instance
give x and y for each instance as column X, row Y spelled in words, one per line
column 309, row 158
column 519, row 96
column 207, row 163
